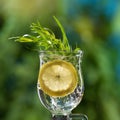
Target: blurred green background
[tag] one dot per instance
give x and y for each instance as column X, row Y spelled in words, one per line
column 91, row 24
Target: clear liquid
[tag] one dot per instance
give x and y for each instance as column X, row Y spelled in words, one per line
column 61, row 105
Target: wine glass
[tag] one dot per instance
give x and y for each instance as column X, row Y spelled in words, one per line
column 61, row 107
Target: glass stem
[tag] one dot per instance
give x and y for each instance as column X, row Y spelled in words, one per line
column 61, row 117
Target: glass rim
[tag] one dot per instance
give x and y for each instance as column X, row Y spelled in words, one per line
column 52, row 53
column 60, row 51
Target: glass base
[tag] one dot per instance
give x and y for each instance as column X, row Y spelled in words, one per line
column 78, row 117
column 70, row 117
column 60, row 117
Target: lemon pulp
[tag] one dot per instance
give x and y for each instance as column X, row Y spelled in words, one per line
column 58, row 78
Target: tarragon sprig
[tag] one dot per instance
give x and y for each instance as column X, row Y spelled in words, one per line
column 44, row 39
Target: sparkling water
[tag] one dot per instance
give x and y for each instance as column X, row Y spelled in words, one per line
column 61, row 105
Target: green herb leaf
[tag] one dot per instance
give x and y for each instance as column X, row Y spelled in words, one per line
column 65, row 40
column 44, row 39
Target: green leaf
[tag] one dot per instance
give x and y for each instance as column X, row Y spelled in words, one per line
column 65, row 40
column 44, row 39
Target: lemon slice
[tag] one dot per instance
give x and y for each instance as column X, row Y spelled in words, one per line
column 58, row 78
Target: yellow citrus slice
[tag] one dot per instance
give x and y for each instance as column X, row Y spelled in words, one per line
column 58, row 78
